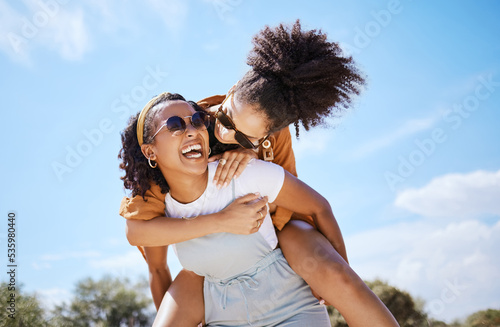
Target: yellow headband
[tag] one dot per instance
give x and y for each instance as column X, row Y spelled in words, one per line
column 142, row 118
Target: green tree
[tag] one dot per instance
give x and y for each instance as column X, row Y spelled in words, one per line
column 109, row 302
column 485, row 318
column 438, row 323
column 20, row 309
column 407, row 311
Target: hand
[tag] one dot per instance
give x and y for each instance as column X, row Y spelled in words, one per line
column 231, row 164
column 244, row 215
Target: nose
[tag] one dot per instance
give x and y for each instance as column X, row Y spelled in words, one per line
column 191, row 130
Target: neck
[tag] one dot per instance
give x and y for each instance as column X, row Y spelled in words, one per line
column 186, row 189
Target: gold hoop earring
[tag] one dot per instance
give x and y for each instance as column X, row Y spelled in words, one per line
column 150, row 165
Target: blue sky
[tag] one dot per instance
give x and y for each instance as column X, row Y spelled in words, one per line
column 412, row 171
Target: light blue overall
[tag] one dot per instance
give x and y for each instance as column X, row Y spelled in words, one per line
column 265, row 292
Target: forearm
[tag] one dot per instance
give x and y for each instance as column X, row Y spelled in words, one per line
column 162, row 231
column 300, row 198
column 159, row 273
column 328, row 226
column 159, row 282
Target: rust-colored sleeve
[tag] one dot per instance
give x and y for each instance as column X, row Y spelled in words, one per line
column 283, row 155
column 137, row 208
column 283, row 152
column 211, row 101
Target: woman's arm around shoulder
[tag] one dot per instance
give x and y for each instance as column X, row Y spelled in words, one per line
column 238, row 218
column 144, row 208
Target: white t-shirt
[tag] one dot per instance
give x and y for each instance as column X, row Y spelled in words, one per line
column 259, row 176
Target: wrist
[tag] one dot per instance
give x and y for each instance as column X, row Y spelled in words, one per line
column 215, row 223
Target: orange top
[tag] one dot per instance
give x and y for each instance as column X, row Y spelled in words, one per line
column 279, row 152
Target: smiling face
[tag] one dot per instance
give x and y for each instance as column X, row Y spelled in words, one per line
column 186, row 153
column 246, row 118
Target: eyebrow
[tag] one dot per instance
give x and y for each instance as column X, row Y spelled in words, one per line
column 231, row 115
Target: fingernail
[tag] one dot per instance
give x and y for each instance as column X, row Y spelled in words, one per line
column 258, row 194
column 225, row 184
column 322, row 302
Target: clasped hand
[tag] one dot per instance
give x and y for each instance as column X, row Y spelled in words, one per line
column 244, row 215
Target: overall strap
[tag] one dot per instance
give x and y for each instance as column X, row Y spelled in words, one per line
column 233, row 189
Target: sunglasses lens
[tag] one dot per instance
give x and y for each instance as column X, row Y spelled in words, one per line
column 238, row 136
column 200, row 120
column 176, row 125
column 243, row 141
column 224, row 120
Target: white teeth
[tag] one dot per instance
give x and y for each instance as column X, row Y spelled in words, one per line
column 195, row 155
column 191, row 148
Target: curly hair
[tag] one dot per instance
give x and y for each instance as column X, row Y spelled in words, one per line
column 138, row 174
column 298, row 76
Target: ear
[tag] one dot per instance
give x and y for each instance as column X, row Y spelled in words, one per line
column 148, row 151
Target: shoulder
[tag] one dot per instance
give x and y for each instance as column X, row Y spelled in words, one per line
column 260, row 167
column 261, row 176
column 283, row 135
column 212, row 167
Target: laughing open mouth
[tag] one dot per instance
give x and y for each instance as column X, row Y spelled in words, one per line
column 192, row 151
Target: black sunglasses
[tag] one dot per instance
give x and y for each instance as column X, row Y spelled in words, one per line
column 177, row 125
column 228, row 123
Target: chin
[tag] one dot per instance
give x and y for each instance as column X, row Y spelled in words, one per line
column 196, row 165
column 198, row 170
column 217, row 136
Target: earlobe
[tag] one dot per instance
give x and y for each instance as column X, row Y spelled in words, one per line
column 151, row 165
column 149, row 153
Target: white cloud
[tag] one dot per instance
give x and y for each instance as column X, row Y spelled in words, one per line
column 70, row 35
column 47, row 261
column 69, row 255
column 68, row 28
column 131, row 263
column 43, row 24
column 173, row 12
column 10, row 42
column 455, row 196
column 127, row 264
column 383, row 141
column 453, row 268
column 224, row 8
